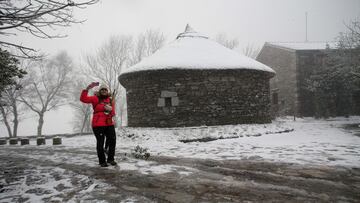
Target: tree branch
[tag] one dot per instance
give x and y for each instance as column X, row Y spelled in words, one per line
column 34, row 16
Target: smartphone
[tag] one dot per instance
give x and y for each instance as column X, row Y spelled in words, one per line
column 96, row 83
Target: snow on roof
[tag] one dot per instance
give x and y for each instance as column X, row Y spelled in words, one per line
column 192, row 50
column 305, row 45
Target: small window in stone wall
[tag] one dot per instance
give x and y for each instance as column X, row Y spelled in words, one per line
column 168, row 101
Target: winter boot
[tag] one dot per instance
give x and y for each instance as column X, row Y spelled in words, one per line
column 113, row 163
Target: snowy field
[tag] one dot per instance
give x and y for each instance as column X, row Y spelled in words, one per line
column 321, row 149
column 304, row 141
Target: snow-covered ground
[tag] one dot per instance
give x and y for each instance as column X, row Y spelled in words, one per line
column 70, row 172
column 310, row 141
column 45, row 184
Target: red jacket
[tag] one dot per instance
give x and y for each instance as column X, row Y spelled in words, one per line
column 99, row 116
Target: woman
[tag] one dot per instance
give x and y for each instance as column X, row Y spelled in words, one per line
column 102, row 121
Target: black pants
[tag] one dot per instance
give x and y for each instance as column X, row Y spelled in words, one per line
column 100, row 134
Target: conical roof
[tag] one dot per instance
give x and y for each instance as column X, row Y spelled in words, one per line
column 192, row 50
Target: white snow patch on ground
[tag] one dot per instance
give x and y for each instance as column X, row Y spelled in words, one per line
column 304, row 141
column 48, row 183
column 311, row 142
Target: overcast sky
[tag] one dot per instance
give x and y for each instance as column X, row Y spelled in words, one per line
column 250, row 21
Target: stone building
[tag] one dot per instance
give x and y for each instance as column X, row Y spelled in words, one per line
column 195, row 81
column 294, row 63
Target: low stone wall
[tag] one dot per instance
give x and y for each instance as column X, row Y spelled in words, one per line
column 3, row 141
column 40, row 141
column 57, row 141
column 24, row 141
column 177, row 97
column 13, row 141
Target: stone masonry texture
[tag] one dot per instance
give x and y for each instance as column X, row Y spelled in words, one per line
column 179, row 97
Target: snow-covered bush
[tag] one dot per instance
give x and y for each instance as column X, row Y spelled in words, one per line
column 141, row 153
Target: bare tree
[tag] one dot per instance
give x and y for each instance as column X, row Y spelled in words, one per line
column 5, row 112
column 37, row 17
column 106, row 64
column 116, row 54
column 351, row 38
column 251, row 51
column 146, row 44
column 226, row 42
column 109, row 60
column 10, row 109
column 82, row 111
column 46, row 86
column 350, row 42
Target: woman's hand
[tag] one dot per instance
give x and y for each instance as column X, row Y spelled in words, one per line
column 91, row 85
column 108, row 108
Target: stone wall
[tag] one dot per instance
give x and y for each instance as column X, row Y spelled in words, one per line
column 284, row 84
column 176, row 97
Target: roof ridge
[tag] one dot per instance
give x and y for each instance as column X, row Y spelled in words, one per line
column 312, row 45
column 300, row 42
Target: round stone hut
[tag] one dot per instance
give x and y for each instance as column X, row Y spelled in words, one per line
column 195, row 81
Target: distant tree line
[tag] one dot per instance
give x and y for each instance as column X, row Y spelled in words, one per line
column 53, row 82
column 232, row 43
